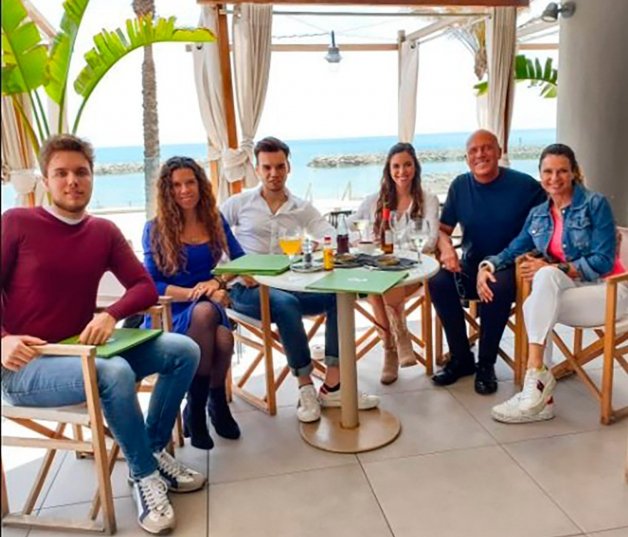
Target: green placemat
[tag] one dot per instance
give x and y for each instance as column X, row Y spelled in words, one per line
column 121, row 340
column 358, row 280
column 262, row 264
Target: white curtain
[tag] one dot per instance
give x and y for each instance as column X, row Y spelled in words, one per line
column 252, row 38
column 18, row 158
column 501, row 43
column 408, row 80
column 210, row 96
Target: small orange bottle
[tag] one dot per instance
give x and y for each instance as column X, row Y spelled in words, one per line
column 328, row 254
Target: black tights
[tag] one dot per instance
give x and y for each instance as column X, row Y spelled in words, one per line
column 215, row 341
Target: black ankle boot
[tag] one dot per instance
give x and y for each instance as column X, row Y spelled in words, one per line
column 218, row 410
column 194, row 417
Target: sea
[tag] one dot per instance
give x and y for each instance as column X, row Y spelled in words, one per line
column 126, row 191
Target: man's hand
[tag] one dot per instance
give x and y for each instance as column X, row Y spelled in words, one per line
column 448, row 255
column 221, row 297
column 17, row 351
column 484, row 290
column 247, row 281
column 99, row 329
column 530, row 265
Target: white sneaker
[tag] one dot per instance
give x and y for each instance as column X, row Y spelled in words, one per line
column 177, row 476
column 510, row 411
column 332, row 399
column 308, row 409
column 538, row 387
column 154, row 511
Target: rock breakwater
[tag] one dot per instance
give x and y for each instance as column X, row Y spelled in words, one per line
column 433, row 155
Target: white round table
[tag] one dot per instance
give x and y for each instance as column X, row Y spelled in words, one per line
column 347, row 430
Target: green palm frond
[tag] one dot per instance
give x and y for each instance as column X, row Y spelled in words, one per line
column 24, row 54
column 62, row 47
column 110, row 47
column 533, row 72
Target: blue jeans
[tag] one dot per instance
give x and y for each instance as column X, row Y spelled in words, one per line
column 58, row 380
column 286, row 311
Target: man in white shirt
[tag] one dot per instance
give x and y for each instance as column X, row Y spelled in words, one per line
column 257, row 218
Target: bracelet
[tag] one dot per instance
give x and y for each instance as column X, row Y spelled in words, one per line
column 222, row 284
column 564, row 267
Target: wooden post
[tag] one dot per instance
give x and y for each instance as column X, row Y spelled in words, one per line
column 227, row 84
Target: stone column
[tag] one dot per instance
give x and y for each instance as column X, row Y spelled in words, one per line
column 593, row 96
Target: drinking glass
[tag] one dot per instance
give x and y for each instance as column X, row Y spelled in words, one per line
column 363, row 225
column 419, row 232
column 399, row 225
column 290, row 242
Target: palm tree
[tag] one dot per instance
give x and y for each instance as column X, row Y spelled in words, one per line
column 144, row 8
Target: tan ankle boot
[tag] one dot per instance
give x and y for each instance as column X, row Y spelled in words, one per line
column 390, row 369
column 402, row 337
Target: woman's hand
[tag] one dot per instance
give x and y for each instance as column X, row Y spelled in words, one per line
column 221, row 297
column 530, row 265
column 203, row 289
column 18, row 351
column 485, row 275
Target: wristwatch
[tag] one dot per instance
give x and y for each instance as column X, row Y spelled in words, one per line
column 563, row 267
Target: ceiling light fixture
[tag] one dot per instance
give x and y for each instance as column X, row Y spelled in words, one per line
column 552, row 10
column 333, row 52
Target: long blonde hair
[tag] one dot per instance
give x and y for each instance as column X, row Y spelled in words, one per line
column 167, row 230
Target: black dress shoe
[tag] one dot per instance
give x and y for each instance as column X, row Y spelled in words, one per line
column 485, row 379
column 453, row 370
column 220, row 415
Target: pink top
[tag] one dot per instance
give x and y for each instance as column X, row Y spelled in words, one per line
column 51, row 271
column 555, row 247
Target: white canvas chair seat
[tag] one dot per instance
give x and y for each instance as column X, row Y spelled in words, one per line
column 88, row 415
column 263, row 336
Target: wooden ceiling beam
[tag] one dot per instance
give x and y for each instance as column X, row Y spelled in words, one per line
column 373, row 3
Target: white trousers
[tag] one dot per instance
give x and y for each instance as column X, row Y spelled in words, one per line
column 556, row 298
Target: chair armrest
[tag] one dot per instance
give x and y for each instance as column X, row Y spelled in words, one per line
column 617, row 278
column 56, row 349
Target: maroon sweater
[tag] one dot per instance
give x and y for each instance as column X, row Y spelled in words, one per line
column 51, row 270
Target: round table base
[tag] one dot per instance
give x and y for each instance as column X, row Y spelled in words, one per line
column 377, row 428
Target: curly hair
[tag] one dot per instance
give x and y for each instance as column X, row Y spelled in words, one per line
column 562, row 150
column 168, row 226
column 388, row 191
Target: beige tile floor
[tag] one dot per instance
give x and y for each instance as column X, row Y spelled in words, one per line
column 453, row 472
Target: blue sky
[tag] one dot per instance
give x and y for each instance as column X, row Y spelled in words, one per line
column 305, row 100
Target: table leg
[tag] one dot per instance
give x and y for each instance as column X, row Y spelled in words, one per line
column 345, row 430
column 348, row 370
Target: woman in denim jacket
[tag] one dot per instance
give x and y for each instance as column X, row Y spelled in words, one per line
column 574, row 238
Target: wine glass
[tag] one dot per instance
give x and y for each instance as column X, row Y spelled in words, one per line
column 362, row 225
column 399, row 225
column 290, row 242
column 419, row 232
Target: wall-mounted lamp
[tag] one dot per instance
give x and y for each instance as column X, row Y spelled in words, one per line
column 552, row 10
column 333, row 52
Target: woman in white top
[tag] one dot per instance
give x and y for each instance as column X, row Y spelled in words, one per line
column 400, row 191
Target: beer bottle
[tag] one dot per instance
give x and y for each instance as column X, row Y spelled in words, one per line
column 385, row 233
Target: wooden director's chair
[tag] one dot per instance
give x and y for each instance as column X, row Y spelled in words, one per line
column 263, row 336
column 87, row 416
column 611, row 345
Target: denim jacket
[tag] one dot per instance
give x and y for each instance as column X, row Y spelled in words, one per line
column 589, row 239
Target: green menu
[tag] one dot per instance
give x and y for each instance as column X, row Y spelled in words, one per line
column 358, row 280
column 262, row 264
column 121, row 340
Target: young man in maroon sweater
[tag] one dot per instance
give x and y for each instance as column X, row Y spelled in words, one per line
column 52, row 261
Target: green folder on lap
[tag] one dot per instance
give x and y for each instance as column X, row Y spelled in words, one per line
column 358, row 280
column 251, row 264
column 121, row 340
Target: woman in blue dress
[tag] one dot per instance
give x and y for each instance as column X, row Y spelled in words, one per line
column 182, row 245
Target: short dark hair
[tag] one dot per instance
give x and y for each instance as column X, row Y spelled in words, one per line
column 270, row 144
column 562, row 150
column 64, row 142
